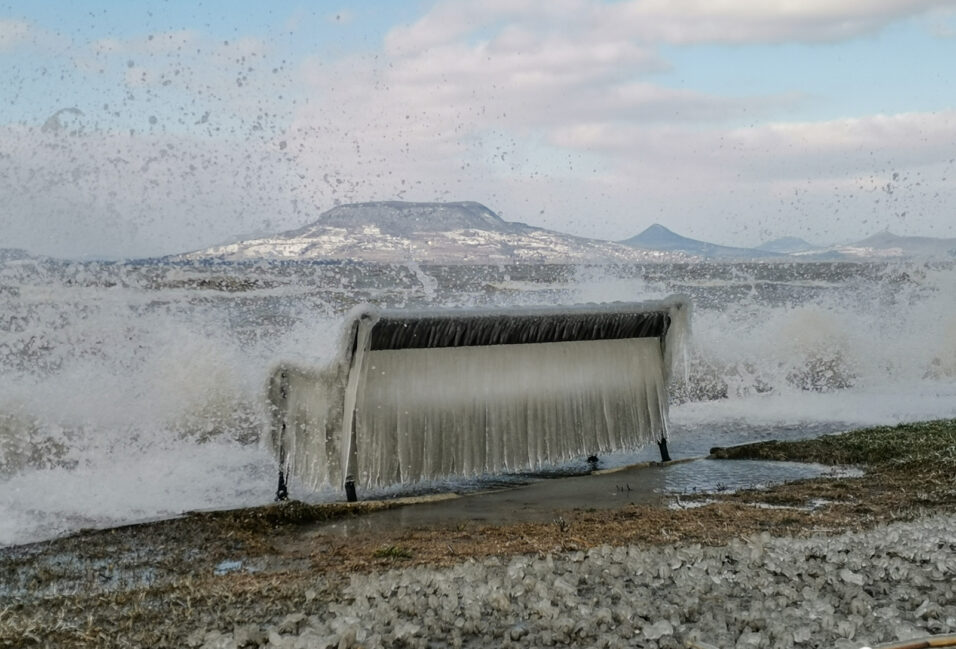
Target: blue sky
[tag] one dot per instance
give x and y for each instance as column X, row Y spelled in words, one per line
column 133, row 129
column 897, row 69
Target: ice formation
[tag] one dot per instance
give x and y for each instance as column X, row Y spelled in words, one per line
column 847, row 591
column 422, row 395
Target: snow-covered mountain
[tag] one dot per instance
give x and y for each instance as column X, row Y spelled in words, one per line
column 657, row 237
column 464, row 232
column 469, row 232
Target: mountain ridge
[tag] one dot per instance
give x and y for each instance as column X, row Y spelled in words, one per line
column 470, row 232
column 453, row 232
column 788, row 245
column 394, row 217
column 659, row 237
column 886, row 244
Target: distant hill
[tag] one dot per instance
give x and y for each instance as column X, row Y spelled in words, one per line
column 886, row 245
column 392, row 231
column 788, row 246
column 883, row 245
column 13, row 254
column 398, row 218
column 657, row 237
column 469, row 232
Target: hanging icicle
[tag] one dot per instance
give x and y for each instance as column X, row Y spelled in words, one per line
column 422, row 395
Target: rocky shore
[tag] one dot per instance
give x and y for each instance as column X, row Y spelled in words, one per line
column 829, row 562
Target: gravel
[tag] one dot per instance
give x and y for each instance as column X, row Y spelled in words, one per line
column 891, row 583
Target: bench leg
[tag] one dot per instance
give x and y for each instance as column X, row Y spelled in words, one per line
column 662, row 445
column 282, row 491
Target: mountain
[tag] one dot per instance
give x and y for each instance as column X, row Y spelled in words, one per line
column 393, row 231
column 879, row 246
column 469, row 232
column 657, row 237
column 13, row 254
column 788, row 246
column 888, row 245
column 398, row 218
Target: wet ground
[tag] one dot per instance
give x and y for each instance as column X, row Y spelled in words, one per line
column 153, row 584
column 543, row 500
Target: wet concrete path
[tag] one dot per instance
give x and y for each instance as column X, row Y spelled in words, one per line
column 543, row 499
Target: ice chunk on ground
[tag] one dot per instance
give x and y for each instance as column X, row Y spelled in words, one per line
column 835, row 591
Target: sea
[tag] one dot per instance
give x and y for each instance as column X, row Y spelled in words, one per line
column 133, row 391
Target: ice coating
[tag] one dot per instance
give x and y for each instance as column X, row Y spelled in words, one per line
column 426, row 414
column 857, row 589
column 424, row 395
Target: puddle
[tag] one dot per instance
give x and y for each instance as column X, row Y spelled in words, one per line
column 542, row 499
column 723, row 476
column 694, row 440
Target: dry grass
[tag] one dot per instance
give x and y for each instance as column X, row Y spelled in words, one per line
column 924, row 446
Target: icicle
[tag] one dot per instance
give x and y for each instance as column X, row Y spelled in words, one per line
column 418, row 396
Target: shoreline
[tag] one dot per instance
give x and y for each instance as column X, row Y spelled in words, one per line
column 206, row 573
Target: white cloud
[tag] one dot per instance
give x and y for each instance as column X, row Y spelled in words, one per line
column 621, row 152
column 828, row 154
column 470, row 111
column 913, row 137
column 663, row 21
column 76, row 191
column 12, row 33
column 759, row 21
column 832, row 180
column 942, row 22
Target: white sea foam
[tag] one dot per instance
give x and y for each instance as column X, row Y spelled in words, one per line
column 132, row 484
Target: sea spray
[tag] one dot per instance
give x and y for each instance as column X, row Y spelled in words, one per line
column 131, row 390
column 790, row 328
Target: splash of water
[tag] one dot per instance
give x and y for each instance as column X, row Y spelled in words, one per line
column 129, row 391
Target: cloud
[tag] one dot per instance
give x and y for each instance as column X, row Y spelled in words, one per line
column 448, row 22
column 662, row 21
column 13, row 33
column 829, row 180
column 78, row 190
column 519, row 80
column 912, row 137
column 542, row 100
column 427, row 123
column 546, row 111
column 942, row 23
column 610, row 147
column 836, row 157
column 759, row 21
column 602, row 154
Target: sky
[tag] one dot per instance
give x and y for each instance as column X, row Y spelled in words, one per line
column 135, row 129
